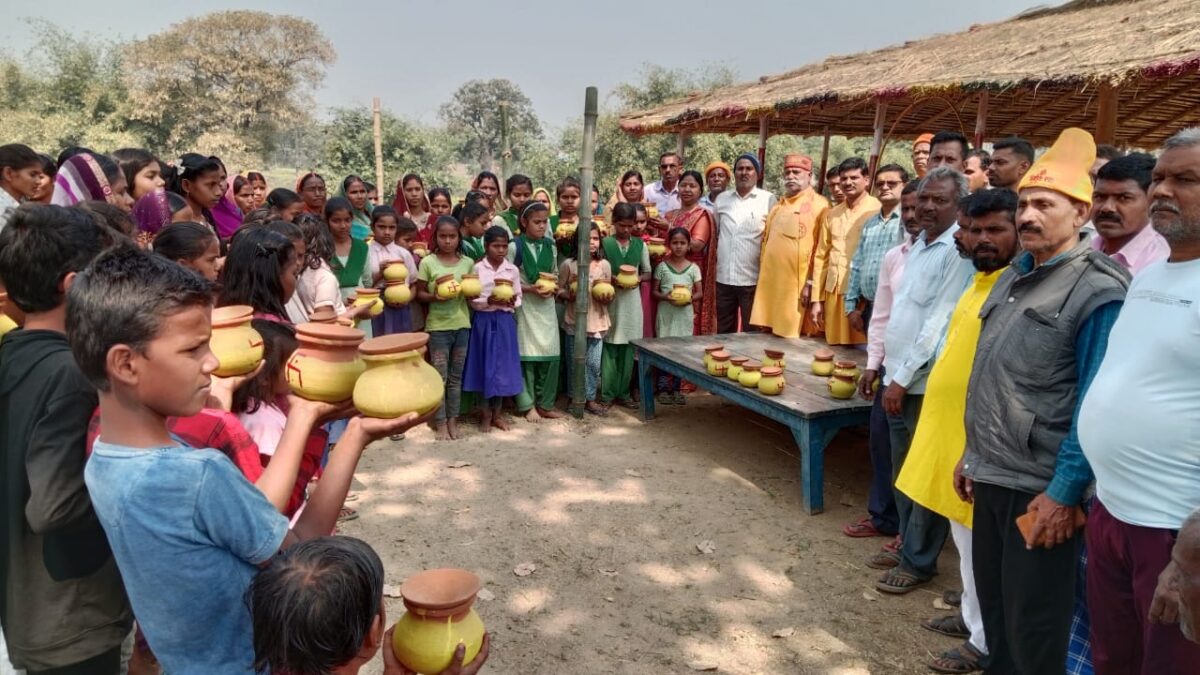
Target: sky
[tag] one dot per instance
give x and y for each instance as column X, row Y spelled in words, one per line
column 415, row 54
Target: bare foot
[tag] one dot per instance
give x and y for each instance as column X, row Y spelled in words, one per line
column 595, row 408
column 452, row 427
column 532, row 416
column 443, row 432
column 485, row 421
column 550, row 414
column 499, row 422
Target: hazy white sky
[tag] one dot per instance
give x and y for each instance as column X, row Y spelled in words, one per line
column 414, row 54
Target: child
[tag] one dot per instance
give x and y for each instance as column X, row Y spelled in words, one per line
column 190, row 244
column 626, row 311
column 567, row 194
column 139, row 327
column 354, row 190
column 519, row 190
column 285, row 204
column 475, row 220
column 447, row 321
column 537, row 317
column 649, row 306
column 20, row 176
column 260, row 271
column 408, row 232
column 493, row 358
column 319, row 608
column 674, row 320
column 64, row 606
column 318, row 285
column 349, row 262
column 382, row 250
column 197, row 178
column 597, row 319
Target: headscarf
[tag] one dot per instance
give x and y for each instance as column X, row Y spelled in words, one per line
column 549, row 196
column 923, row 138
column 400, row 202
column 152, row 212
column 360, row 219
column 80, row 179
column 226, row 215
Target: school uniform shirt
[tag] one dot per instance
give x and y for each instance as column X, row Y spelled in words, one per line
column 487, row 281
column 315, row 288
column 377, row 254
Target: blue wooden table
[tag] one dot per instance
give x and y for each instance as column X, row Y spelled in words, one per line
column 805, row 406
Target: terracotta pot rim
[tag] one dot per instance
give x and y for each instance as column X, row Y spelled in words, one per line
column 751, row 365
column 504, row 282
column 398, row 282
column 772, row 371
column 229, row 315
column 444, row 277
column 397, row 343
column 844, row 378
column 323, row 314
column 396, row 261
column 774, row 353
column 713, row 348
column 845, row 364
column 627, row 269
column 368, row 292
column 468, row 275
column 721, row 355
column 548, row 276
column 739, row 360
column 331, row 334
column 445, row 592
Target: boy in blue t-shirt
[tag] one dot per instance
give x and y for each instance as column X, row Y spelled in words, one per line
column 189, row 532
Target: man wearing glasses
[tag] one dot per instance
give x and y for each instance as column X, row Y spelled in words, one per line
column 880, row 233
column 664, row 193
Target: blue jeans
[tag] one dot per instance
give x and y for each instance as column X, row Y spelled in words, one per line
column 448, row 354
column 924, row 532
column 591, row 381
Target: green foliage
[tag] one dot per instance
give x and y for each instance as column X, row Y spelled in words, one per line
column 472, row 116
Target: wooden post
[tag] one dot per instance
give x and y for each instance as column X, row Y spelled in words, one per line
column 762, row 149
column 877, row 141
column 1106, row 115
column 505, row 150
column 377, row 113
column 583, row 236
column 981, row 120
column 824, row 163
column 680, row 145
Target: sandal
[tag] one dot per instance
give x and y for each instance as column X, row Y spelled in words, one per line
column 630, row 403
column 862, row 529
column 884, row 560
column 952, row 597
column 894, row 545
column 346, row 514
column 962, row 659
column 950, row 624
column 899, row 582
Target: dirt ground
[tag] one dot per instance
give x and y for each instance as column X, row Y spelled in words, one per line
column 611, row 512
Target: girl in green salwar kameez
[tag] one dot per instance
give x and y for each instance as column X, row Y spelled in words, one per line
column 537, row 317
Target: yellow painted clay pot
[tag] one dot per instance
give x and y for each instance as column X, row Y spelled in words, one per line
column 326, row 365
column 369, row 296
column 397, row 380
column 448, row 287
column 651, row 209
column 718, row 364
column 237, row 346
column 574, row 287
column 680, row 295
column 439, row 617
column 842, row 387
column 735, row 367
column 395, row 270
column 847, row 369
column 503, row 290
column 822, row 363
column 471, row 286
column 656, row 246
column 771, row 383
column 547, row 282
column 751, row 372
column 420, row 249
column 602, row 290
column 708, row 352
column 397, row 293
column 6, row 322
column 566, row 231
column 773, row 358
column 627, row 277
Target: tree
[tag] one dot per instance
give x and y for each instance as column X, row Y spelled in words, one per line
column 226, row 82
column 473, row 114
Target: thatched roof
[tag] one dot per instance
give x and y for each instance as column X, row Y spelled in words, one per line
column 1043, row 71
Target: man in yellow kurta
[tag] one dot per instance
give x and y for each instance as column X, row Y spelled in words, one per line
column 928, row 473
column 787, row 247
column 838, row 237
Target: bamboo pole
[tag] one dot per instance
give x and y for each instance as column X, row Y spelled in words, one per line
column 877, row 141
column 377, row 113
column 762, row 149
column 981, row 120
column 1106, row 115
column 505, row 150
column 824, row 163
column 583, row 235
column 680, row 144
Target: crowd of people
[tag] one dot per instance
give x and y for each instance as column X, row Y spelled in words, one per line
column 1028, row 399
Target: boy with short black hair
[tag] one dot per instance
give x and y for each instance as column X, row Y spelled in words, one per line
column 188, row 531
column 62, row 603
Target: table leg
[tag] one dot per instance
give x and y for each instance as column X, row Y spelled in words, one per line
column 645, row 374
column 812, row 437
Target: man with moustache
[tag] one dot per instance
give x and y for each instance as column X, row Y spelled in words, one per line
column 948, row 148
column 934, row 278
column 1045, row 330
column 879, row 235
column 1011, row 159
column 1121, row 213
column 787, row 245
column 1137, row 429
column 741, row 217
column 716, row 177
column 975, row 169
column 990, row 241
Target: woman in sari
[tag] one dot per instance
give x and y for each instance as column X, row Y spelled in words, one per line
column 311, row 188
column 241, row 191
column 698, row 221
column 543, row 195
column 487, row 183
column 258, row 183
column 354, row 190
column 91, row 177
column 156, row 210
column 411, row 202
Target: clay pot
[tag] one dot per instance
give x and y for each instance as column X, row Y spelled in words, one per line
column 439, row 617
column 773, row 358
column 822, row 363
column 447, row 287
column 680, row 295
column 237, row 346
column 397, row 293
column 6, row 323
column 471, row 286
column 395, row 270
column 847, row 369
column 397, row 380
column 708, row 352
column 369, row 296
column 420, row 249
column 735, row 367
column 602, row 290
column 547, row 283
column 750, row 374
column 718, row 364
column 323, row 315
column 326, row 365
column 574, row 286
column 503, row 290
column 656, row 246
column 627, row 277
column 651, row 209
column 566, row 231
column 771, row 383
column 842, row 387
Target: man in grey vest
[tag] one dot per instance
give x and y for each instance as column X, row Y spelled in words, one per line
column 1045, row 330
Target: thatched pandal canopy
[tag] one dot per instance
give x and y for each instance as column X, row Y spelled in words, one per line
column 1043, row 71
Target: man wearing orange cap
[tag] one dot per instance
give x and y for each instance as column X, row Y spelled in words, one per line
column 920, row 154
column 1045, row 330
column 716, row 177
column 787, row 250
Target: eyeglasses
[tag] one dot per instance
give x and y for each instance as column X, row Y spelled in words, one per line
column 887, row 183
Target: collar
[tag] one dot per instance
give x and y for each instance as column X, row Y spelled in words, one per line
column 658, row 186
column 1025, row 264
column 1143, row 240
column 946, row 237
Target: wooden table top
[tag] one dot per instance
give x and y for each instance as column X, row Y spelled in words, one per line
column 806, row 394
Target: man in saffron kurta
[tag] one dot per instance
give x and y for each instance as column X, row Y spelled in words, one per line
column 788, row 242
column 839, row 233
column 928, row 473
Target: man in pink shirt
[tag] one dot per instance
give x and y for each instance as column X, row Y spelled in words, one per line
column 883, row 520
column 1121, row 213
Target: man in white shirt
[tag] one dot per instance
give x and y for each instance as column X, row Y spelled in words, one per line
column 664, row 192
column 1137, row 430
column 741, row 218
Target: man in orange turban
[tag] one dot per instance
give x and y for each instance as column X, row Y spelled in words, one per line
column 920, row 153
column 716, row 177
